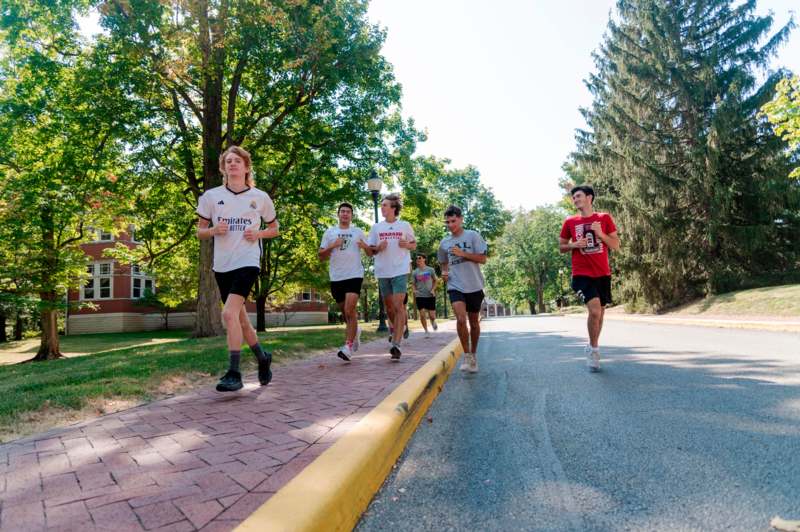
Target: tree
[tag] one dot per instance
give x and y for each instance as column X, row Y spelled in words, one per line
column 301, row 84
column 784, row 114
column 678, row 154
column 526, row 264
column 60, row 121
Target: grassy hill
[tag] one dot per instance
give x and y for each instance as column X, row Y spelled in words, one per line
column 773, row 301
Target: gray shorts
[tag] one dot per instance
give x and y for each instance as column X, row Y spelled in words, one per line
column 393, row 285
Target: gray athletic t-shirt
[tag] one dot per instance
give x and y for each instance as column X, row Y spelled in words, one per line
column 465, row 276
column 423, row 281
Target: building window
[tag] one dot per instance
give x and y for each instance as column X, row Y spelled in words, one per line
column 100, row 235
column 141, row 282
column 99, row 284
column 306, row 296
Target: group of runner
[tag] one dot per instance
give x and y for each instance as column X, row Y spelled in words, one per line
column 238, row 216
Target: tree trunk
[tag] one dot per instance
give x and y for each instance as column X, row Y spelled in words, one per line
column 532, row 306
column 208, row 318
column 18, row 328
column 261, row 313
column 166, row 320
column 540, row 298
column 49, row 348
column 3, row 337
column 366, row 306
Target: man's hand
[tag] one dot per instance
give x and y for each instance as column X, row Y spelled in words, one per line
column 382, row 245
column 362, row 244
column 597, row 227
column 458, row 252
column 403, row 243
column 250, row 234
column 336, row 243
column 445, row 275
column 220, row 228
column 582, row 243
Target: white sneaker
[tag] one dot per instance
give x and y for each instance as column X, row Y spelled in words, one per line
column 470, row 363
column 593, row 359
column 464, row 362
column 427, row 334
column 345, row 353
column 435, row 327
column 357, row 341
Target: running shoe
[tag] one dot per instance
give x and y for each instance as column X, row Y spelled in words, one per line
column 593, row 359
column 395, row 351
column 406, row 333
column 345, row 353
column 465, row 363
column 230, row 382
column 473, row 363
column 427, row 334
column 357, row 341
column 264, row 371
column 435, row 327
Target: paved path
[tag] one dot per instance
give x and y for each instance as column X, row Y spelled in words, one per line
column 687, row 428
column 202, row 460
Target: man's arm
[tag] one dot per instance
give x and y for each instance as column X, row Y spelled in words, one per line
column 611, row 240
column 204, row 229
column 565, row 246
column 480, row 258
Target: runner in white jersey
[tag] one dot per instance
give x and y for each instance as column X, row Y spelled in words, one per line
column 232, row 215
column 342, row 244
column 391, row 241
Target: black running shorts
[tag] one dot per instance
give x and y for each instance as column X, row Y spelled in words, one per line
column 472, row 299
column 426, row 303
column 340, row 289
column 589, row 288
column 239, row 281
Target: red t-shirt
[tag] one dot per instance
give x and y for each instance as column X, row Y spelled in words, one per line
column 592, row 260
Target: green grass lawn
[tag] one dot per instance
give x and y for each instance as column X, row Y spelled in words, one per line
column 38, row 396
column 779, row 301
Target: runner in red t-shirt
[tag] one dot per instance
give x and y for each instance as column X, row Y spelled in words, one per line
column 588, row 235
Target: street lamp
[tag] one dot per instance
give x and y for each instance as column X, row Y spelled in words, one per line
column 374, row 184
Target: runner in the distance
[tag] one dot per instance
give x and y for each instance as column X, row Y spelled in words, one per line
column 424, row 279
column 588, row 235
column 460, row 256
column 342, row 244
column 391, row 241
column 232, row 214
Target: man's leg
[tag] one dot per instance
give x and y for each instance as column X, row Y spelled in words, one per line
column 248, row 332
column 433, row 315
column 474, row 330
column 399, row 319
column 230, row 315
column 251, row 337
column 350, row 316
column 460, row 310
column 595, row 320
column 422, row 319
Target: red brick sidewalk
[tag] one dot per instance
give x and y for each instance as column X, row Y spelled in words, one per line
column 199, row 461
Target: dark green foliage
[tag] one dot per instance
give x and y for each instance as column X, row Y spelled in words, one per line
column 679, row 155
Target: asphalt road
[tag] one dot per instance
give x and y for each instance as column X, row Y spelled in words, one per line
column 686, row 428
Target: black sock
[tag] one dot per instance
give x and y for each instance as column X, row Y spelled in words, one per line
column 258, row 352
column 235, row 357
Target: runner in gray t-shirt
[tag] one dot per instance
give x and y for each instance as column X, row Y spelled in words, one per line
column 425, row 281
column 460, row 255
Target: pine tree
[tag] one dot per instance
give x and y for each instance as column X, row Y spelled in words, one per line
column 678, row 153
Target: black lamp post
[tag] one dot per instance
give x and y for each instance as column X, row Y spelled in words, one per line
column 374, row 184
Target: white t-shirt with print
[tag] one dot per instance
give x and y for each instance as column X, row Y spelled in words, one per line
column 240, row 210
column 393, row 260
column 346, row 259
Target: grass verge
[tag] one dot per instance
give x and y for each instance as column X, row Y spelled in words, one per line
column 38, row 396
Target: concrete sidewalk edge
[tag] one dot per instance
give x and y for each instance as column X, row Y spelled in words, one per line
column 334, row 490
column 756, row 325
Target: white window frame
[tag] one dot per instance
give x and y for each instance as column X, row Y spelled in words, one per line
column 95, row 280
column 138, row 274
column 98, row 236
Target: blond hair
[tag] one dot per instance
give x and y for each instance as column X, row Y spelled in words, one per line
column 248, row 162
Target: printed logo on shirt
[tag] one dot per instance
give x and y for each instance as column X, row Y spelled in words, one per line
column 453, row 259
column 390, row 235
column 346, row 239
column 253, row 204
column 237, row 223
column 593, row 244
column 220, row 202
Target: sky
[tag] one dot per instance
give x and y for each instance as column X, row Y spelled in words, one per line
column 499, row 84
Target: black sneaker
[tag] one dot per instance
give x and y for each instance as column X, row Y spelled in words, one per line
column 231, row 382
column 395, row 351
column 405, row 334
column 264, row 373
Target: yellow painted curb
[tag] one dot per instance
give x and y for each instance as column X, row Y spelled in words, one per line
column 333, row 491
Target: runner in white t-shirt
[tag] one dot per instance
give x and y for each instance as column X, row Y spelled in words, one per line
column 391, row 241
column 342, row 244
column 232, row 215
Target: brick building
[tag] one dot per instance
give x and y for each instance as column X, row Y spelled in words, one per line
column 114, row 287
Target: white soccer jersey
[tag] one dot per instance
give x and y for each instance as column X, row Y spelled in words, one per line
column 393, row 260
column 346, row 259
column 240, row 210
